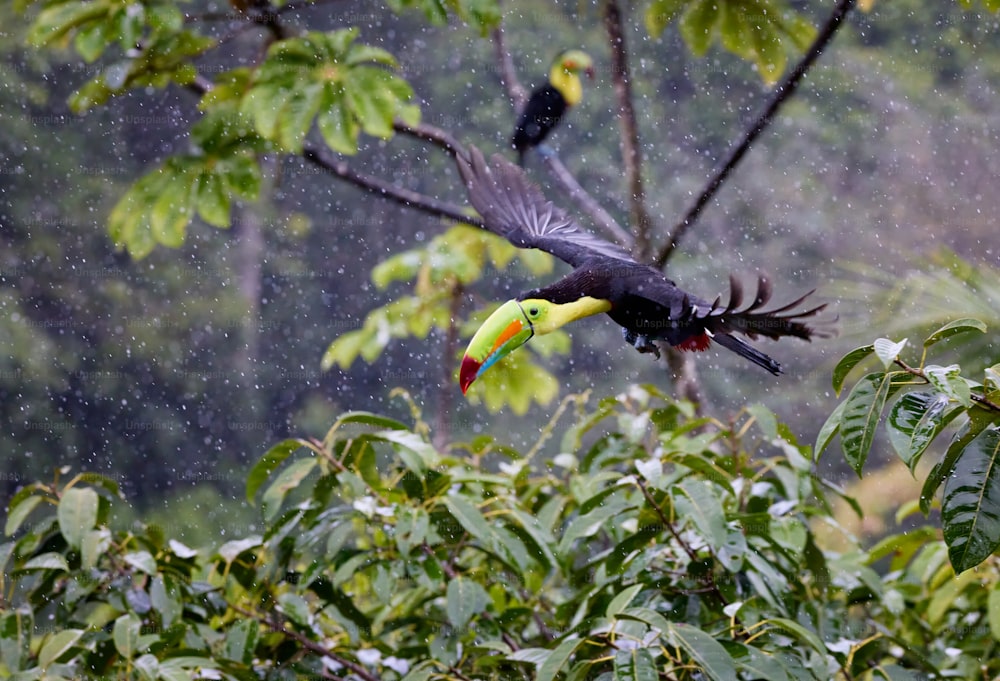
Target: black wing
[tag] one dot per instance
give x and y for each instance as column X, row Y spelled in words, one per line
column 515, row 209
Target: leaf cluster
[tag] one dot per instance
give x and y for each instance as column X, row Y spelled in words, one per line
column 922, row 401
column 653, row 545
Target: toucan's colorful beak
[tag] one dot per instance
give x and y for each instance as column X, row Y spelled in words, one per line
column 506, row 330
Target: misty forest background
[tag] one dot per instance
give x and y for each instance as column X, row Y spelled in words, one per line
column 171, row 373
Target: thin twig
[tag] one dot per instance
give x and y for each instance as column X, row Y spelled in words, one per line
column 307, row 643
column 628, row 129
column 677, row 537
column 981, row 400
column 781, row 93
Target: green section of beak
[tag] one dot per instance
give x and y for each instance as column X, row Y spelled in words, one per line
column 506, row 330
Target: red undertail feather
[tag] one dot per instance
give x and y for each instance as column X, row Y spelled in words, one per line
column 696, row 343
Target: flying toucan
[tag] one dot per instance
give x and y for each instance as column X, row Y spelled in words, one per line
column 646, row 304
column 550, row 101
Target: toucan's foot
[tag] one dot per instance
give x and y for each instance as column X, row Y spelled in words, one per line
column 545, row 151
column 641, row 343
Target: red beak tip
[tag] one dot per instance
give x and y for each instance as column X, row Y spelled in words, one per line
column 467, row 374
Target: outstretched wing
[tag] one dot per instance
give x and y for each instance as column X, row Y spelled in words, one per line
column 515, row 209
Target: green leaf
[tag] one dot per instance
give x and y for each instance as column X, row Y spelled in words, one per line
column 887, row 351
column 56, row 21
column 295, row 608
column 94, row 545
column 956, row 327
column 58, row 644
column 289, row 479
column 698, row 24
column 18, row 511
column 862, row 411
column 830, row 428
column 77, row 514
column 262, row 470
column 142, row 561
column 799, row 632
column 558, row 660
column 621, row 600
column 978, row 421
column 212, row 200
column 848, row 362
column 634, row 665
column 949, row 381
column 470, row 518
column 707, row 653
column 126, row 634
column 465, row 599
column 970, row 509
column 915, row 420
column 241, row 641
column 47, row 561
column 232, row 550
column 15, row 637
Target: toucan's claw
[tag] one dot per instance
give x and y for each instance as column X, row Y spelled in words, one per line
column 641, row 343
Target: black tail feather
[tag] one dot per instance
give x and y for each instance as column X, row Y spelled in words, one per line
column 747, row 351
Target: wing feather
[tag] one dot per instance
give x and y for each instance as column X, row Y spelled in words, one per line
column 516, row 209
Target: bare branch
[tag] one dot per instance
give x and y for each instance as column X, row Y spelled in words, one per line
column 587, row 204
column 386, row 190
column 508, row 77
column 782, row 92
column 628, row 129
column 429, row 133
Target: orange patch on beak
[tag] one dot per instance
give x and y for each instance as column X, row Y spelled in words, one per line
column 512, row 330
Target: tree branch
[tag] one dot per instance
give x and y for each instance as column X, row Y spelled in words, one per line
column 628, row 129
column 386, row 190
column 508, row 76
column 587, row 203
column 306, row 642
column 781, row 93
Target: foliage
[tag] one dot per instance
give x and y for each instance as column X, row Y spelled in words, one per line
column 653, row 545
column 441, row 272
column 760, row 31
column 922, row 401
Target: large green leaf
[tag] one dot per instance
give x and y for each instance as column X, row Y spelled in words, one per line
column 978, row 421
column 970, row 508
column 465, row 599
column 862, row 411
column 77, row 514
column 953, row 328
column 635, row 665
column 915, row 420
column 58, row 644
column 267, row 464
column 707, row 653
column 847, row 363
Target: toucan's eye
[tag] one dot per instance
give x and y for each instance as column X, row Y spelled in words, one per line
column 533, row 311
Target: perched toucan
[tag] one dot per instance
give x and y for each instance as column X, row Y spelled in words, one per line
column 550, row 101
column 646, row 304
